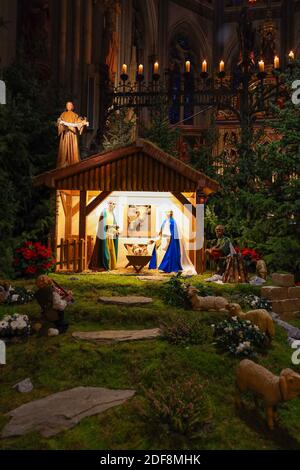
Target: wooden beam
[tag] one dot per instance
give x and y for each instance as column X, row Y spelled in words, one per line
column 98, row 199
column 82, row 215
column 185, row 202
column 75, row 209
column 63, row 201
column 68, row 214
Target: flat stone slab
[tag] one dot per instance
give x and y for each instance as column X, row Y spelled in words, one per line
column 116, row 336
column 292, row 331
column 62, row 411
column 128, row 300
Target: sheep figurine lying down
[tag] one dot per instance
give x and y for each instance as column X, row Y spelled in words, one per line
column 206, row 303
column 259, row 317
column 271, row 388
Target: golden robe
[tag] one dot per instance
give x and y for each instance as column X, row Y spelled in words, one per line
column 68, row 152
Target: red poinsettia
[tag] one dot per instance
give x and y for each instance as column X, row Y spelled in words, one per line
column 248, row 253
column 33, row 259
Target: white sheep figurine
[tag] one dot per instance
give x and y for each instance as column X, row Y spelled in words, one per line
column 206, row 303
column 259, row 317
column 271, row 388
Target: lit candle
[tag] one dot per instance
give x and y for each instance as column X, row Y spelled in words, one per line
column 261, row 65
column 276, row 62
column 188, row 66
column 156, row 67
column 291, row 55
column 204, row 66
column 124, row 69
column 222, row 66
column 141, row 69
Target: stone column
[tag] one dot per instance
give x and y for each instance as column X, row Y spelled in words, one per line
column 63, row 40
column 287, row 29
column 76, row 48
column 163, row 22
column 218, row 33
column 88, row 31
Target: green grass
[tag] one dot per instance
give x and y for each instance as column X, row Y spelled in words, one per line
column 59, row 363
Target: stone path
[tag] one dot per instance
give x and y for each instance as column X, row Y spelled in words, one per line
column 63, row 410
column 116, row 336
column 129, row 300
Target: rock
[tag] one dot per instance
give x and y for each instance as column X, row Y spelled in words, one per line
column 286, row 306
column 53, row 332
column 274, row 292
column 294, row 292
column 292, row 331
column 283, row 280
column 25, row 386
column 115, row 336
column 257, row 281
column 62, row 410
column 128, row 300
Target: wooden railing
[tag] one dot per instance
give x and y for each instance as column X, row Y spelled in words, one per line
column 73, row 254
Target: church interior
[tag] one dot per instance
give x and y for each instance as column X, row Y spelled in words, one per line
column 83, row 45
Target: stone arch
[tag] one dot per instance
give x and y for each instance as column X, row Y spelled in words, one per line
column 197, row 38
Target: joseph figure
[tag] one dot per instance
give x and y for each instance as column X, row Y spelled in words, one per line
column 220, row 249
column 70, row 125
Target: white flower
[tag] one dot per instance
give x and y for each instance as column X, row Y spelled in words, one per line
column 14, row 325
column 248, row 322
column 3, row 324
column 234, row 318
column 7, row 318
column 21, row 324
column 25, row 317
column 212, row 326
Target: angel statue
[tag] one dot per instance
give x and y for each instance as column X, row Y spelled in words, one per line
column 70, row 125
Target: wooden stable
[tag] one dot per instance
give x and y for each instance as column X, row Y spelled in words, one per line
column 139, row 167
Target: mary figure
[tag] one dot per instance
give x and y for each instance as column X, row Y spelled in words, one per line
column 176, row 258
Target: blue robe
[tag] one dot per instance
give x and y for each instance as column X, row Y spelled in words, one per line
column 171, row 262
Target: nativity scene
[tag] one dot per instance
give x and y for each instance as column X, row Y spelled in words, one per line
column 107, row 202
column 149, row 231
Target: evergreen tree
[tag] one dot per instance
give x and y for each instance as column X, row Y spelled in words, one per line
column 120, row 129
column 27, row 147
column 160, row 132
column 259, row 197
